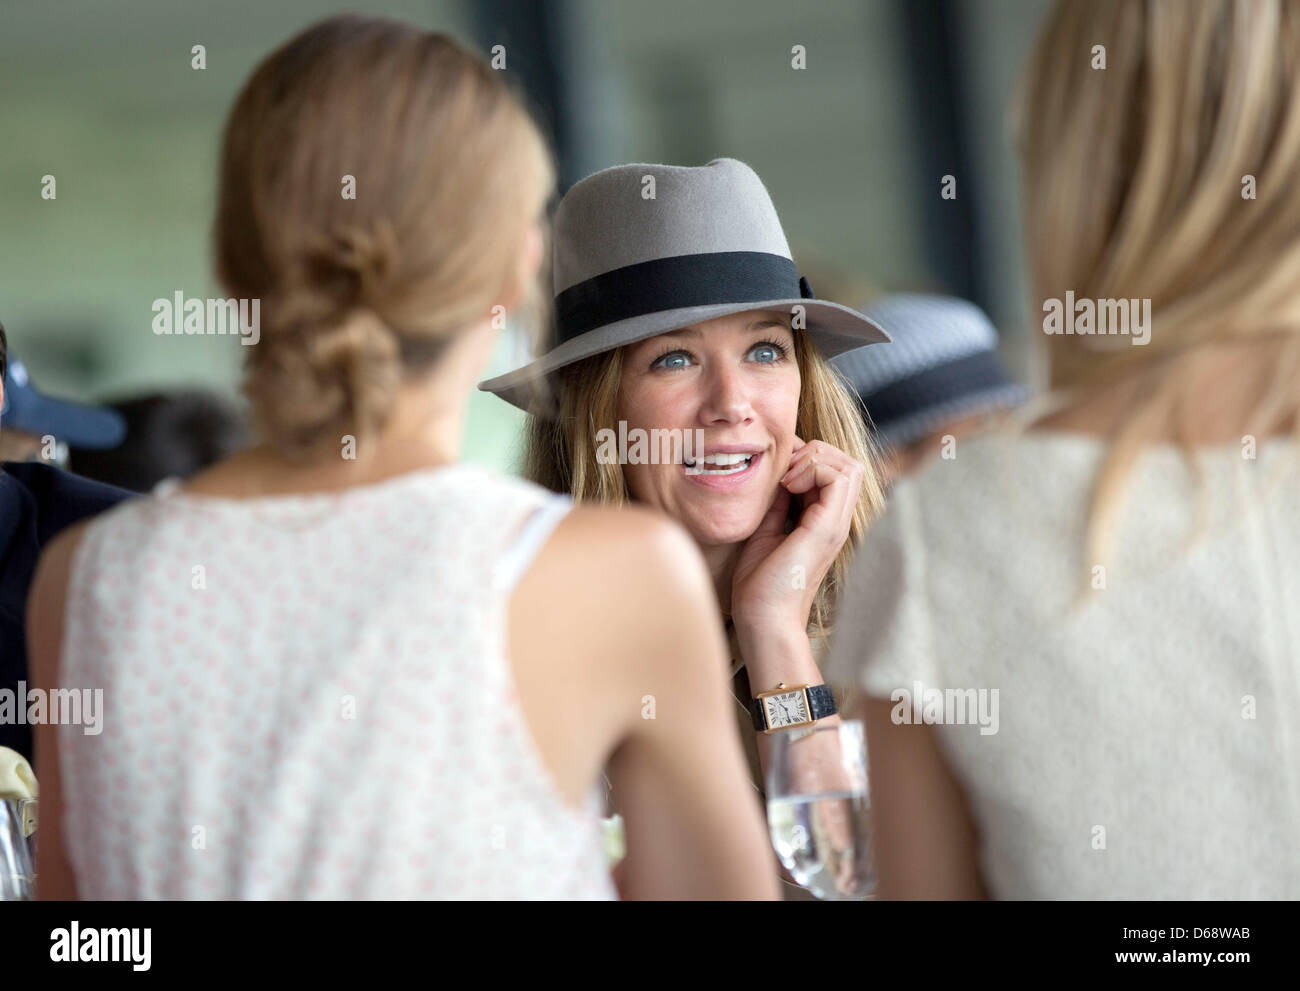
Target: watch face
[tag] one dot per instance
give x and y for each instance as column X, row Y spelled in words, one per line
column 786, row 709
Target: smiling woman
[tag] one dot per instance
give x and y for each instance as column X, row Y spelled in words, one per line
column 795, row 397
column 719, row 460
column 684, row 313
column 733, row 377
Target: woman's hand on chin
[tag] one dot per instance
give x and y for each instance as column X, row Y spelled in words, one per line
column 778, row 574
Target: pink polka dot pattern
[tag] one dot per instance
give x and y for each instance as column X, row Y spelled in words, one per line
column 329, row 714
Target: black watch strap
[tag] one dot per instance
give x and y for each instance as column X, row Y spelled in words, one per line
column 821, row 703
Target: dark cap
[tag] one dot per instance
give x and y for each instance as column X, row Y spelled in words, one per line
column 77, row 424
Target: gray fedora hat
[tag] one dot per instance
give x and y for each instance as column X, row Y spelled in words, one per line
column 641, row 250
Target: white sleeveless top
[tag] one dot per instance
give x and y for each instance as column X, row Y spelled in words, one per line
column 308, row 696
column 1147, row 743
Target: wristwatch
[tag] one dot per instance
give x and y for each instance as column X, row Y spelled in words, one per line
column 787, row 706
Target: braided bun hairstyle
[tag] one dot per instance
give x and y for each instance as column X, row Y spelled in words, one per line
column 377, row 188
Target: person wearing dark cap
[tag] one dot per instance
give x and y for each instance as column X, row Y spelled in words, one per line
column 37, row 501
column 940, row 376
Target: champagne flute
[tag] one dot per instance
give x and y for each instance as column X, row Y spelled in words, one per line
column 819, row 811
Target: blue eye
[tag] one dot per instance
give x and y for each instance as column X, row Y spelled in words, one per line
column 670, row 360
column 763, row 353
column 772, row 351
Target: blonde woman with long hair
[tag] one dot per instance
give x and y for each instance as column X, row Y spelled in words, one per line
column 680, row 315
column 1081, row 640
column 337, row 653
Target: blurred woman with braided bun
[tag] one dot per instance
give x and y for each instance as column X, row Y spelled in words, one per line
column 342, row 664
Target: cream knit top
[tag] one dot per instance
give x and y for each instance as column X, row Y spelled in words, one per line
column 1147, row 740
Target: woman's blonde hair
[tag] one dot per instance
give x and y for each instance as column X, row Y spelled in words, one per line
column 377, row 188
column 560, row 451
column 1169, row 174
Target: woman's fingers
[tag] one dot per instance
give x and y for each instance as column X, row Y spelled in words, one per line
column 832, row 491
column 831, row 483
column 806, row 470
column 803, row 477
column 834, row 501
column 821, row 453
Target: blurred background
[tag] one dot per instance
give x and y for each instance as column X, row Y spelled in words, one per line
column 895, row 95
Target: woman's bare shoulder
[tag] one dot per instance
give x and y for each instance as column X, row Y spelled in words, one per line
column 615, row 605
column 614, row 551
column 615, row 574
